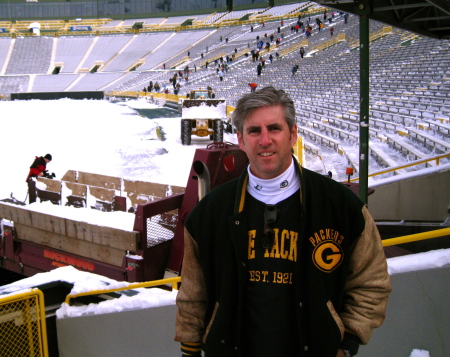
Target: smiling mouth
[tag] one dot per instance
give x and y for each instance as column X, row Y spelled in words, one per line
column 265, row 154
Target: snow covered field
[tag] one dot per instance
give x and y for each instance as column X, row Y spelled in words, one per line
column 91, row 136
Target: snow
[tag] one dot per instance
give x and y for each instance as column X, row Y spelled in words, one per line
column 119, row 220
column 85, row 282
column 96, row 137
column 91, row 136
column 211, row 112
column 409, row 175
column 112, row 139
column 419, row 353
column 426, row 260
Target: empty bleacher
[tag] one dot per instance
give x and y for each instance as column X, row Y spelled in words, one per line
column 30, row 55
column 104, row 48
column 70, row 50
column 53, row 83
column 136, row 49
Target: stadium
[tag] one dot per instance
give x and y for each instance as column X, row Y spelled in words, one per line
column 372, row 98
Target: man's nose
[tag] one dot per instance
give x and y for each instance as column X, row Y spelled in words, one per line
column 265, row 137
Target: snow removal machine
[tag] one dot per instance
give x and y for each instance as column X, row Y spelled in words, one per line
column 202, row 115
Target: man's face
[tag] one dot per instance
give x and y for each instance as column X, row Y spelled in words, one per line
column 267, row 141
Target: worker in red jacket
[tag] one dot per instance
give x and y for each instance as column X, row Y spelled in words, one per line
column 253, row 87
column 37, row 169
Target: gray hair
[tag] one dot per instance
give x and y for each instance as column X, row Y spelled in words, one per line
column 267, row 96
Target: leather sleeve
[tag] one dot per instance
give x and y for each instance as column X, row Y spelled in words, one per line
column 191, row 298
column 368, row 284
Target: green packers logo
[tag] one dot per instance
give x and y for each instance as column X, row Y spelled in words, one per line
column 327, row 256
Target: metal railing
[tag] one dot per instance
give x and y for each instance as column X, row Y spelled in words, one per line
column 416, row 237
column 386, row 30
column 413, row 163
column 22, row 325
column 172, row 281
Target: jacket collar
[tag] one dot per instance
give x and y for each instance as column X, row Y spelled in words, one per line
column 239, row 202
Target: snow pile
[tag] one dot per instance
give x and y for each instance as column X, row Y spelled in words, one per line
column 419, row 353
column 420, row 261
column 82, row 281
column 118, row 220
column 147, row 298
column 204, row 111
column 85, row 282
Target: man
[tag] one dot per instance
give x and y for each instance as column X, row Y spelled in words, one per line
column 259, row 69
column 282, row 261
column 253, row 86
column 302, row 52
column 221, row 74
column 37, row 169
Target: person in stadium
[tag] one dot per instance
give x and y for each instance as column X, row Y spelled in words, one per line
column 302, row 52
column 37, row 169
column 253, row 86
column 281, row 261
column 221, row 74
column 259, row 69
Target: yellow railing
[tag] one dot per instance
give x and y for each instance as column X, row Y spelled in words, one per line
column 173, row 281
column 22, row 325
column 408, row 36
column 299, row 150
column 339, row 38
column 416, row 237
column 295, row 47
column 387, row 30
column 212, row 59
column 418, row 162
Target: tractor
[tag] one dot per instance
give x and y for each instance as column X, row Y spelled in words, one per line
column 202, row 115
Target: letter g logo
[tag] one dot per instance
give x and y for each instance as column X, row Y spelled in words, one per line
column 327, row 256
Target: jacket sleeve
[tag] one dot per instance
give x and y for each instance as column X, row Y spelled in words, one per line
column 191, row 298
column 37, row 167
column 35, row 171
column 368, row 284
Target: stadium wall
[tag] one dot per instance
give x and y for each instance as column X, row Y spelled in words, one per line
column 417, row 317
column 58, row 95
column 123, row 9
column 414, row 199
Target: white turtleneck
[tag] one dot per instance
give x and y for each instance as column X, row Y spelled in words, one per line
column 274, row 190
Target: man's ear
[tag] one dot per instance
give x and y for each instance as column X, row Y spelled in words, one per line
column 294, row 134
